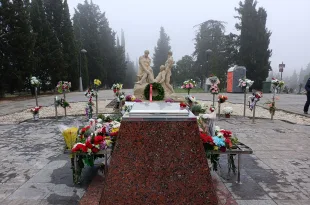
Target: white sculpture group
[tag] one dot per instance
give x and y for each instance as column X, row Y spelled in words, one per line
column 146, row 75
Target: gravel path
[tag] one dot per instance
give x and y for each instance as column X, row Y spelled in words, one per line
column 76, row 109
column 79, row 109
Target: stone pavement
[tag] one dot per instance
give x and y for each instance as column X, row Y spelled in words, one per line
column 35, row 171
column 289, row 102
column 33, row 168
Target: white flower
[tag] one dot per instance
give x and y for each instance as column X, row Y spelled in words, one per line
column 217, row 128
column 89, row 151
column 228, row 110
column 99, row 120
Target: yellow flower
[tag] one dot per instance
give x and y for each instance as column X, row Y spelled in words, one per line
column 97, row 82
column 216, row 148
column 114, row 129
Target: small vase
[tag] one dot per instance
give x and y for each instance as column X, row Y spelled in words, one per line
column 227, row 115
column 36, row 117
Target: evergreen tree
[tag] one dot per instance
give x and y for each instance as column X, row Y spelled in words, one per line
column 123, row 40
column 21, row 42
column 183, row 70
column 210, row 51
column 54, row 14
column 117, row 42
column 6, row 15
column 254, row 42
column 70, row 53
column 161, row 51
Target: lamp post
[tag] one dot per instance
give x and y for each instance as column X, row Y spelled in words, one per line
column 208, row 52
column 81, row 82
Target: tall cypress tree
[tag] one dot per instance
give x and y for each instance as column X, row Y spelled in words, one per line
column 70, row 53
column 254, row 52
column 161, row 51
column 21, row 42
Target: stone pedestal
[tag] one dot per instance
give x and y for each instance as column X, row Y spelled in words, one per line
column 159, row 161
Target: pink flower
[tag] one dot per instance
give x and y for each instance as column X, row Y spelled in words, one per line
column 187, row 86
column 191, row 85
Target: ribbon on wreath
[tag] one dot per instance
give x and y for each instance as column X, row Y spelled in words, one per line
column 151, row 92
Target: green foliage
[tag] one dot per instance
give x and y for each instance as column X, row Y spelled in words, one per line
column 222, row 49
column 160, row 90
column 183, row 70
column 161, row 51
column 254, row 41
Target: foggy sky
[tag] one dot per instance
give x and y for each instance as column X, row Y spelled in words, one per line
column 141, row 21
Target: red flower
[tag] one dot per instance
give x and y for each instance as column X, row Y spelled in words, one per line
column 223, row 149
column 98, row 139
column 79, row 147
column 88, row 144
column 113, row 134
column 228, row 142
column 226, row 133
column 205, row 138
column 95, row 150
column 182, row 105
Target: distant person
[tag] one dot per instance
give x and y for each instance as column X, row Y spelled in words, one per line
column 307, row 87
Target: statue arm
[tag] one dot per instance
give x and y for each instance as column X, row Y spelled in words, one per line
column 163, row 77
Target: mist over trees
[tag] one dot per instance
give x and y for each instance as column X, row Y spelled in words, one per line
column 39, row 39
column 216, row 51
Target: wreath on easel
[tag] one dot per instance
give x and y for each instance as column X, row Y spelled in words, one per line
column 160, row 90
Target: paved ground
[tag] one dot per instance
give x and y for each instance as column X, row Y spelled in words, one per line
column 289, row 102
column 34, row 170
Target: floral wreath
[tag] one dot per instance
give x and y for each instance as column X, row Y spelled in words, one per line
column 156, row 86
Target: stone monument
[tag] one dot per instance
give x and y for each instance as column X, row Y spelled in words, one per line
column 146, row 76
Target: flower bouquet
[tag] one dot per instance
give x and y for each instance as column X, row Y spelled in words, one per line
column 212, row 108
column 277, row 83
column 35, row 82
column 90, row 93
column 63, row 86
column 222, row 98
column 245, row 83
column 256, row 96
column 62, row 102
column 97, row 83
column 91, row 139
column 214, row 82
column 222, row 141
column 227, row 111
column 188, row 84
column 35, row 112
column 130, row 98
column 117, row 87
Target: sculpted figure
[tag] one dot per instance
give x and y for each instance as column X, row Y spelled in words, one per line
column 145, row 73
column 161, row 77
column 168, row 66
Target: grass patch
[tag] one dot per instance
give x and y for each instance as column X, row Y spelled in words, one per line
column 195, row 90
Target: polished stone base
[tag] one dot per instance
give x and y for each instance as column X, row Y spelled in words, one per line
column 157, row 162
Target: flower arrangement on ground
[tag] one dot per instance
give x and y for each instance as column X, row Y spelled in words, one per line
column 35, row 112
column 256, row 96
column 245, row 83
column 63, row 86
column 169, row 100
column 228, row 111
column 98, row 135
column 117, row 87
column 214, row 84
column 222, row 98
column 130, row 98
column 188, row 84
column 221, row 141
column 35, row 82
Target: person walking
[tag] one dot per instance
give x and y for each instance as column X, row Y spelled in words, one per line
column 307, row 87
